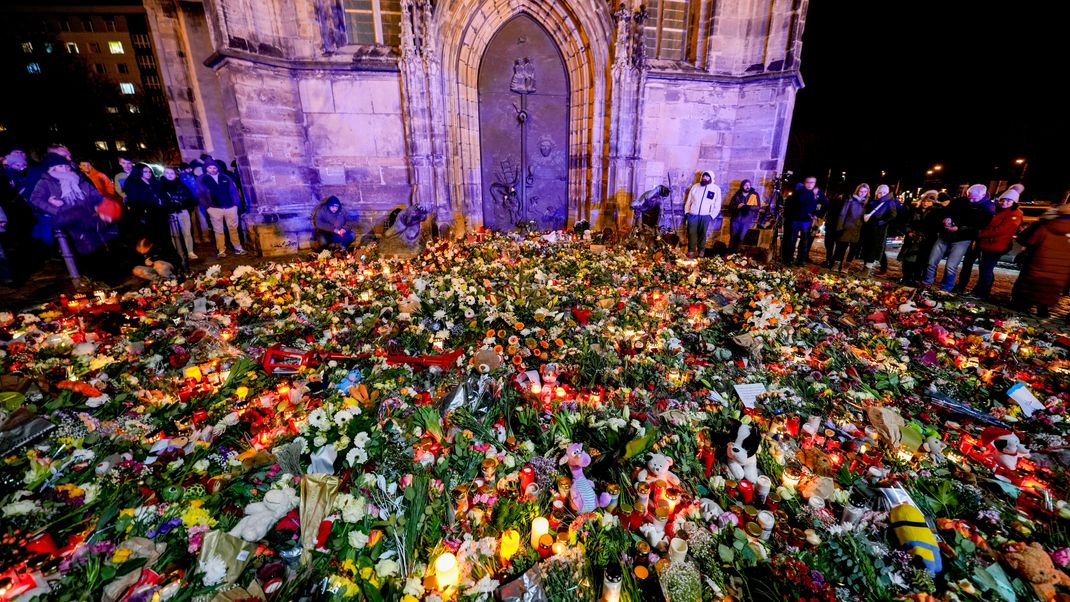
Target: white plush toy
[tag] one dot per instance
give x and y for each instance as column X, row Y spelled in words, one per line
column 261, row 516
column 657, row 469
column 935, row 446
column 1005, row 446
column 743, row 453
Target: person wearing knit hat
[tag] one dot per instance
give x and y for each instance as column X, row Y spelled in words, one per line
column 330, row 222
column 1014, row 193
column 920, row 226
column 996, row 238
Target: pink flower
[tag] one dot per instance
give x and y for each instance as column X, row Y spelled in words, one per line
column 1061, row 557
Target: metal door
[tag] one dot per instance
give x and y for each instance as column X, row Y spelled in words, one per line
column 523, row 128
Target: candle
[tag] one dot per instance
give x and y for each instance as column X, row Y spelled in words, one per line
column 539, row 527
column 766, row 520
column 791, row 478
column 746, row 491
column 510, row 543
column 643, row 491
column 545, row 546
column 611, row 583
column 194, row 372
column 677, row 550
column 764, row 485
column 446, row 570
column 560, row 548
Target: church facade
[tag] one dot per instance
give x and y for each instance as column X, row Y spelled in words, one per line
column 488, row 113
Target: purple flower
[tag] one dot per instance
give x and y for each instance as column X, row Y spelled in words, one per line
column 817, row 578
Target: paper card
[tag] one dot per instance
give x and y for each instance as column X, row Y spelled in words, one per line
column 748, row 393
column 1025, row 398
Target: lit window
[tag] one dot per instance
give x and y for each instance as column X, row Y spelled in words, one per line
column 116, row 47
column 27, row 47
column 120, row 146
column 72, row 48
column 113, row 109
column 101, row 145
column 123, row 68
column 373, row 22
column 33, row 68
column 127, row 88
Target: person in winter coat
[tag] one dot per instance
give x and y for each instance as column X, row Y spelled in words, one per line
column 149, row 211
column 104, row 185
column 743, row 209
column 702, row 212
column 974, row 252
column 847, row 224
column 5, row 267
column 330, row 223
column 127, row 167
column 920, row 228
column 880, row 212
column 647, row 208
column 180, row 202
column 835, row 206
column 1047, row 270
column 995, row 239
column 219, row 197
column 71, row 203
column 963, row 219
column 800, row 210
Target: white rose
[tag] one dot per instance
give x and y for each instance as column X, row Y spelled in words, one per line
column 386, row 568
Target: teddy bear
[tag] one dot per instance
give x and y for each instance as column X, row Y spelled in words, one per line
column 657, row 469
column 742, row 452
column 1036, row 567
column 817, row 461
column 261, row 516
column 486, row 361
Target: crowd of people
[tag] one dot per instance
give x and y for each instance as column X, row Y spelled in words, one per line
column 147, row 223
column 138, row 222
column 958, row 232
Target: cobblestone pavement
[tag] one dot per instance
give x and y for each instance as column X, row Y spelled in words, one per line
column 52, row 280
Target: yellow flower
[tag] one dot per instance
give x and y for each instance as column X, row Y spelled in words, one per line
column 126, row 513
column 349, row 567
column 366, row 573
column 409, row 598
column 195, row 515
column 121, row 555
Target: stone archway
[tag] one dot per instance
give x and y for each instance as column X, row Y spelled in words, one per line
column 582, row 31
column 523, row 128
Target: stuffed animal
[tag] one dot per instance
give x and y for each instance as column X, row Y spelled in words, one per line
column 1004, row 446
column 817, row 461
column 261, row 516
column 888, row 423
column 914, row 536
column 657, row 469
column 935, row 446
column 1036, row 567
column 743, row 452
column 582, row 496
column 486, row 361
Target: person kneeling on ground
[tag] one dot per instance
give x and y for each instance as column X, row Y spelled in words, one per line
column 330, row 223
column 154, row 267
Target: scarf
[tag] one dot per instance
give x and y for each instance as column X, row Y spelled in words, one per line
column 70, row 185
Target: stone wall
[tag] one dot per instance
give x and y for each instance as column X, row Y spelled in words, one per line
column 310, row 115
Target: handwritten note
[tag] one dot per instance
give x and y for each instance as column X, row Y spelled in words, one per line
column 748, row 393
column 1025, row 398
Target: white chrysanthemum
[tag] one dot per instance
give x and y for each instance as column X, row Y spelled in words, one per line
column 318, row 419
column 214, row 569
column 386, row 567
column 358, row 539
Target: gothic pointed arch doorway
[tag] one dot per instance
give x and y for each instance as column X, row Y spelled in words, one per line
column 523, row 128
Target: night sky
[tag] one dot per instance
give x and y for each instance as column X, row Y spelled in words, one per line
column 901, row 86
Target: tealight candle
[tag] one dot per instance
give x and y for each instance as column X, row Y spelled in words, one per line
column 539, row 527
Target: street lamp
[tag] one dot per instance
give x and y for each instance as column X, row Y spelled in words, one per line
column 937, row 167
column 1024, row 164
